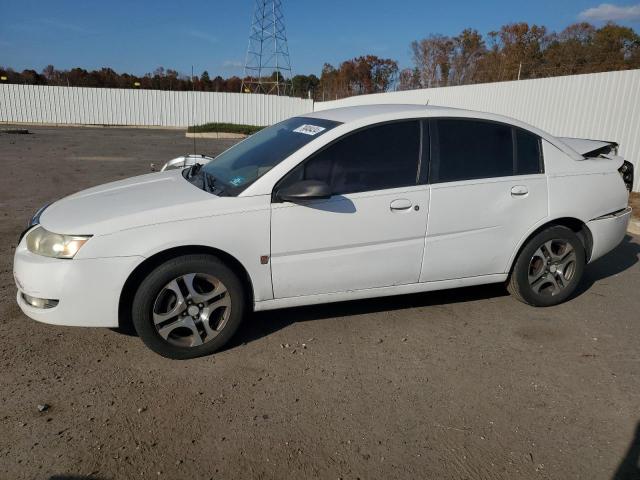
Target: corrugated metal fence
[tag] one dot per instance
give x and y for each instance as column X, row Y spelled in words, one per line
column 111, row 106
column 602, row 106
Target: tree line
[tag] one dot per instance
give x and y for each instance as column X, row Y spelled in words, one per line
column 515, row 51
column 520, row 51
column 159, row 79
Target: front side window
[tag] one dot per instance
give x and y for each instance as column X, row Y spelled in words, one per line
column 235, row 169
column 376, row 158
column 465, row 149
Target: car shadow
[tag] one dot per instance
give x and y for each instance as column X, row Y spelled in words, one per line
column 262, row 324
column 623, row 257
column 629, row 468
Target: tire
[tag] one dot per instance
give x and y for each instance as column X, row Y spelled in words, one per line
column 188, row 307
column 549, row 268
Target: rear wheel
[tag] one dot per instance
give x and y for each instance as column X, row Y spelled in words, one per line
column 188, row 307
column 549, row 268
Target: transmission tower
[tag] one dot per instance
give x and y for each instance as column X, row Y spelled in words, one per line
column 267, row 68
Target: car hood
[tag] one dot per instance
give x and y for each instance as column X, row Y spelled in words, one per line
column 134, row 202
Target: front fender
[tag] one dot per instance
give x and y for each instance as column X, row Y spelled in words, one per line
column 244, row 235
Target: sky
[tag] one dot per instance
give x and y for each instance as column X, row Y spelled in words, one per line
column 137, row 37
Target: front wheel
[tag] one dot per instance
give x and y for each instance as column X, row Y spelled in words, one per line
column 549, row 268
column 188, row 307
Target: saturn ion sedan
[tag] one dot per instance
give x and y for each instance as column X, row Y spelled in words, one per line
column 337, row 205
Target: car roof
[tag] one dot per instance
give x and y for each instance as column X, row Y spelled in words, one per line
column 360, row 112
column 383, row 112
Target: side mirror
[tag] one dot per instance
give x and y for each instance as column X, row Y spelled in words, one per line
column 304, row 190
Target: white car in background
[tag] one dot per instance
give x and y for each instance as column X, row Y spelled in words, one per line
column 183, row 162
column 337, row 205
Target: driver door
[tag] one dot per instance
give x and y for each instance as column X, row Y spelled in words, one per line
column 371, row 232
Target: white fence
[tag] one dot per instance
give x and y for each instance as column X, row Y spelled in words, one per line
column 111, row 106
column 602, row 106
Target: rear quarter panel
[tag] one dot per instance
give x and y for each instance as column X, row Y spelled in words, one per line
column 583, row 189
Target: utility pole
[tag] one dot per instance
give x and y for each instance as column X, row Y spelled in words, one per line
column 267, row 67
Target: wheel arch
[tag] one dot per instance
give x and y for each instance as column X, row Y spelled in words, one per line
column 144, row 268
column 579, row 227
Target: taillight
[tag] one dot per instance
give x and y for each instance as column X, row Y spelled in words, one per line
column 626, row 172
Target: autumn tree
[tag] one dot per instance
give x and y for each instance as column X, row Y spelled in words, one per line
column 468, row 50
column 568, row 52
column 614, row 48
column 358, row 76
column 520, row 51
column 432, row 60
column 409, row 79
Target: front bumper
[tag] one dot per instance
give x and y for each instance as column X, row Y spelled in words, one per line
column 607, row 232
column 87, row 290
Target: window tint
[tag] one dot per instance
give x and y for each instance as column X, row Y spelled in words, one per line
column 377, row 158
column 528, row 153
column 241, row 165
column 468, row 149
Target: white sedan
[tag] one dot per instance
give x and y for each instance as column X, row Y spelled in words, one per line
column 337, row 205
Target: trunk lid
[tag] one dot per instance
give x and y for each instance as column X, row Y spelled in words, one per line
column 591, row 148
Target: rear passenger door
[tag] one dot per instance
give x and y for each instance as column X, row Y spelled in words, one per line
column 488, row 189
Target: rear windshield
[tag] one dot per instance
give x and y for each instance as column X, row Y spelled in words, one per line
column 241, row 165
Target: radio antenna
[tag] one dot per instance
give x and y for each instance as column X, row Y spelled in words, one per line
column 193, row 110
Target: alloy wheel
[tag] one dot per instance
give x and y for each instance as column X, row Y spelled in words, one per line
column 552, row 267
column 191, row 310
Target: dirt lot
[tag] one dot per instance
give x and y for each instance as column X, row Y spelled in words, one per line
column 458, row 384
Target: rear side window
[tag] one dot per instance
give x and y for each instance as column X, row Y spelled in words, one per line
column 472, row 149
column 468, row 149
column 528, row 155
column 376, row 158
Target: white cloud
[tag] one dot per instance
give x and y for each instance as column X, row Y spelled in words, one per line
column 607, row 11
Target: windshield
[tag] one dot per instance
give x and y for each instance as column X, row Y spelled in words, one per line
column 237, row 168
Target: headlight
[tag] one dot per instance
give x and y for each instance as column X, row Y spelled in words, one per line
column 48, row 244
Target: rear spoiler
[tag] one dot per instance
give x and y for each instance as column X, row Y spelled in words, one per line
column 591, row 148
column 601, row 149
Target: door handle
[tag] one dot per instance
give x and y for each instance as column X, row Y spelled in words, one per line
column 519, row 191
column 401, row 204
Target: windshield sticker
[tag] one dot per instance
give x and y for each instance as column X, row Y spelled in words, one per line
column 237, row 181
column 309, row 129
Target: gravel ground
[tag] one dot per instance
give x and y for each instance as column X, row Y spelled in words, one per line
column 460, row 384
